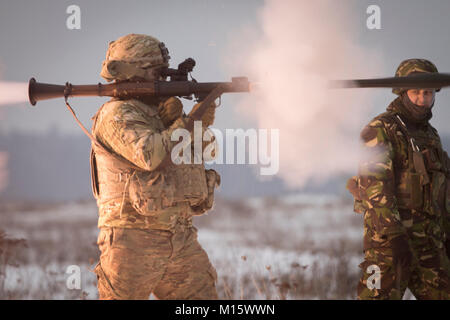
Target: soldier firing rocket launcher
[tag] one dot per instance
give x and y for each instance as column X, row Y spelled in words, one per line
column 179, row 85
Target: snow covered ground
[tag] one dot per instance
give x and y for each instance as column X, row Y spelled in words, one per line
column 302, row 246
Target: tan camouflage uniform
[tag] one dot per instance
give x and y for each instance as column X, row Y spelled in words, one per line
column 403, row 188
column 147, row 241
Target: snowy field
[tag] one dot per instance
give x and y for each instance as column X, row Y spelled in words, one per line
column 295, row 247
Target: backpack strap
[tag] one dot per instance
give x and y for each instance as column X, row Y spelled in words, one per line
column 99, row 144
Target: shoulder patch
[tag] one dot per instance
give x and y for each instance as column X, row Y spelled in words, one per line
column 386, row 117
column 368, row 133
column 376, row 123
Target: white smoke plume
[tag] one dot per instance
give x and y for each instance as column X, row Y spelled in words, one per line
column 13, row 92
column 304, row 44
column 3, row 170
column 10, row 93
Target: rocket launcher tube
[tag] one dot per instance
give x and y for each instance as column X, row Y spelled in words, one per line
column 42, row 91
column 414, row 81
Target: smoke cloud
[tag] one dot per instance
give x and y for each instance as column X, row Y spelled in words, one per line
column 10, row 93
column 302, row 45
column 3, row 170
column 13, row 92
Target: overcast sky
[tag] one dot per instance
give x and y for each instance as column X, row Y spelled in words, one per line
column 35, row 42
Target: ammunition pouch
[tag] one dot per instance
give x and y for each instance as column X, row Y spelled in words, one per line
column 154, row 191
column 410, row 191
column 437, row 165
column 432, row 160
column 212, row 181
column 414, row 184
column 147, row 193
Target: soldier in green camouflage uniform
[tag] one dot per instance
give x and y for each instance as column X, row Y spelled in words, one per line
column 147, row 241
column 403, row 190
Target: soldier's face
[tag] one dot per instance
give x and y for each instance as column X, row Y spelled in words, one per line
column 421, row 97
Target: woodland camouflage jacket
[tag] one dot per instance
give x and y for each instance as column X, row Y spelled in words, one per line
column 404, row 177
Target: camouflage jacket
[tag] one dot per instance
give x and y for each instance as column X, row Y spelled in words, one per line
column 132, row 191
column 404, row 177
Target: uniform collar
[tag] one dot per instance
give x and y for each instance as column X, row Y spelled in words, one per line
column 410, row 113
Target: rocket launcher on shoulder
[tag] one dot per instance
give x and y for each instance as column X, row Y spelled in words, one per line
column 125, row 90
column 178, row 85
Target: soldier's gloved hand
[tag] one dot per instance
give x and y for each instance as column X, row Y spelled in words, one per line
column 212, row 182
column 170, row 110
column 401, row 251
column 209, row 115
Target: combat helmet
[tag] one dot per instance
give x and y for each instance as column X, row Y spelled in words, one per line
column 411, row 66
column 130, row 56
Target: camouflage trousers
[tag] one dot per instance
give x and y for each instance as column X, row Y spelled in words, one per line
column 427, row 277
column 135, row 263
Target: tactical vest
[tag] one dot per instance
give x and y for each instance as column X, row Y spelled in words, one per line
column 422, row 178
column 128, row 196
column 421, row 168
